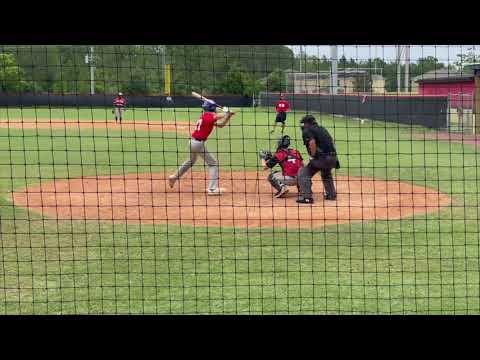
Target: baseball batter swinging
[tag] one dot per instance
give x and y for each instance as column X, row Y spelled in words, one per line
column 198, row 147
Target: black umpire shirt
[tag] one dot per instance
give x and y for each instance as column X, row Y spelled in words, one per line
column 322, row 138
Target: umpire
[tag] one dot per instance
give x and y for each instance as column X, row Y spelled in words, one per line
column 323, row 158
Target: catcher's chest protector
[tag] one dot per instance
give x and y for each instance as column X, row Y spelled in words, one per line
column 291, row 161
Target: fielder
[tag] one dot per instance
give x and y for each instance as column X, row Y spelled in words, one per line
column 281, row 107
column 119, row 104
column 290, row 160
column 198, row 147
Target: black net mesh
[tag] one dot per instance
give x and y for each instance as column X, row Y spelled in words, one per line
column 149, row 202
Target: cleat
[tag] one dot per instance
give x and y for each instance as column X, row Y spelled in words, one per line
column 215, row 192
column 329, row 197
column 283, row 191
column 171, row 180
column 305, row 201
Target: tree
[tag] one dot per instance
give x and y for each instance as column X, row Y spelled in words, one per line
column 137, row 86
column 12, row 77
column 233, row 82
column 239, row 82
column 469, row 57
column 275, row 81
column 251, row 85
column 62, row 69
column 425, row 65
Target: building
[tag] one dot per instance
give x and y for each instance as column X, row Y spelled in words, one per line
column 349, row 81
column 458, row 85
column 378, row 84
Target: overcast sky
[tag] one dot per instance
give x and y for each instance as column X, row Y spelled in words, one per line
column 444, row 53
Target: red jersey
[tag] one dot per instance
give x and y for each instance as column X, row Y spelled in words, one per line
column 204, row 126
column 282, row 106
column 290, row 160
column 119, row 102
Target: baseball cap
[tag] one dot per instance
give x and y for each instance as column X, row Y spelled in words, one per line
column 308, row 119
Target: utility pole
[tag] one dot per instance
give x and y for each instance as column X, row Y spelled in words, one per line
column 334, row 69
column 286, row 82
column 399, row 67
column 92, row 72
column 300, row 58
column 476, row 99
column 407, row 68
column 164, row 50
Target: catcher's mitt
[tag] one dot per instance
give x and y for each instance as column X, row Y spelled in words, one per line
column 265, row 154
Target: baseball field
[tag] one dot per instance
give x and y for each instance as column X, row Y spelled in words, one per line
column 88, row 224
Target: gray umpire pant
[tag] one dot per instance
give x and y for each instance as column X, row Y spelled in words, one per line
column 324, row 164
column 119, row 112
column 278, row 180
column 199, row 148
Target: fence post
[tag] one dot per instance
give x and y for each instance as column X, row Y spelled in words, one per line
column 476, row 99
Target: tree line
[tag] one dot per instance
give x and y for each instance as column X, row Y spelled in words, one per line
column 135, row 69
column 378, row 66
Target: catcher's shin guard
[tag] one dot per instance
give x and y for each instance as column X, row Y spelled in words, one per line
column 277, row 185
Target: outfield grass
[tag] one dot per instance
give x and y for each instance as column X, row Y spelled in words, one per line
column 427, row 264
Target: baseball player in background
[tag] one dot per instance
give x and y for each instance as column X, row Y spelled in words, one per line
column 290, row 160
column 281, row 107
column 208, row 120
column 119, row 104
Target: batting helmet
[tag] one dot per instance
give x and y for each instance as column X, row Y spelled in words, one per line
column 283, row 142
column 209, row 106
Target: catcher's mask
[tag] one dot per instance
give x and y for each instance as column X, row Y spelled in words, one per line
column 283, row 142
column 209, row 106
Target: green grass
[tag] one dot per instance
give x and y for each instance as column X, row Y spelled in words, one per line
column 424, row 265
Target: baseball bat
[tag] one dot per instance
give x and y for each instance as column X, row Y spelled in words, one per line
column 203, row 98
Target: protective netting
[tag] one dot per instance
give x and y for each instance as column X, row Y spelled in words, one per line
column 122, row 192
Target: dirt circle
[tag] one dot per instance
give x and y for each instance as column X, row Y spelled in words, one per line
column 247, row 201
column 58, row 124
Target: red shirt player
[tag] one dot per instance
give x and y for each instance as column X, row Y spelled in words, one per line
column 290, row 160
column 119, row 104
column 281, row 107
column 204, row 127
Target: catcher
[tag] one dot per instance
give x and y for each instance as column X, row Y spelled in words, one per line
column 290, row 160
